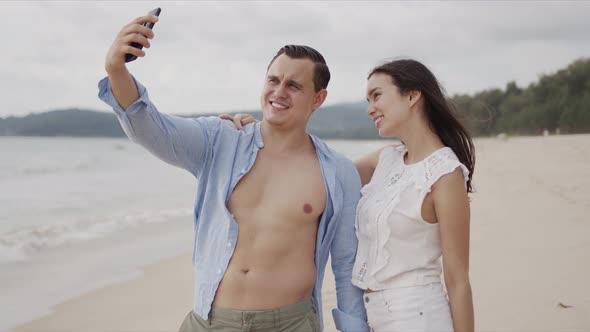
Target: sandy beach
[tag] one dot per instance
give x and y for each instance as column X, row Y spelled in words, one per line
column 530, row 249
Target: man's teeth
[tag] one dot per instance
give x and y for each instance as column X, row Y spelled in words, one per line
column 278, row 105
column 378, row 119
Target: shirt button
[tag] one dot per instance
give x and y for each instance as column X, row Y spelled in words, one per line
column 242, row 171
column 228, row 244
column 219, row 271
column 366, row 299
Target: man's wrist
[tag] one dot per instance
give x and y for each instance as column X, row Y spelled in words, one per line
column 114, row 70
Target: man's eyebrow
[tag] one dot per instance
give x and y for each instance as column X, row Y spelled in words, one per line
column 297, row 84
column 272, row 77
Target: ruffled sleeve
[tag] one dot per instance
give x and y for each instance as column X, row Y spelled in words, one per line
column 440, row 164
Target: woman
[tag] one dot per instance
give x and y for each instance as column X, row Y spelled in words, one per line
column 414, row 208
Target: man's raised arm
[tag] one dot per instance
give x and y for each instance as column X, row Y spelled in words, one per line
column 178, row 141
column 122, row 84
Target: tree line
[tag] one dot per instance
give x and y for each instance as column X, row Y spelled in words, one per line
column 558, row 102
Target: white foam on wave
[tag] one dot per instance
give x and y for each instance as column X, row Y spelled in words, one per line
column 48, row 167
column 19, row 245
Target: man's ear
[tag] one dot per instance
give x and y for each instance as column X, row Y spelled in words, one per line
column 415, row 96
column 319, row 98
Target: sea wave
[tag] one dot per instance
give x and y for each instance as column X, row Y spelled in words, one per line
column 22, row 244
column 14, row 171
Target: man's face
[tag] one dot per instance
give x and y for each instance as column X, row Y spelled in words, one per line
column 288, row 97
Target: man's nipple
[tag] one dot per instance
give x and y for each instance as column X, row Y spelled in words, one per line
column 307, row 208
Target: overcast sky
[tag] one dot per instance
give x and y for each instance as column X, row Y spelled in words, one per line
column 212, row 56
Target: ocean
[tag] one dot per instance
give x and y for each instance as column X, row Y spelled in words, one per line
column 78, row 214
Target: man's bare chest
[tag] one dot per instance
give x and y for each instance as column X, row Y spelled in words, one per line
column 289, row 188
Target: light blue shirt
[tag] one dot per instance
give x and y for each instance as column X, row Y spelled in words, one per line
column 218, row 155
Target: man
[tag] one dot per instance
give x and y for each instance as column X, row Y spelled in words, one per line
column 292, row 198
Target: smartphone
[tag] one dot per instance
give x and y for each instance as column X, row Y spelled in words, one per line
column 131, row 57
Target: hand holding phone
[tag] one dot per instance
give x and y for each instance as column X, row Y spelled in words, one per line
column 150, row 25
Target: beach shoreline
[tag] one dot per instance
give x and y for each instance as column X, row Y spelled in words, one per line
column 139, row 304
column 156, row 300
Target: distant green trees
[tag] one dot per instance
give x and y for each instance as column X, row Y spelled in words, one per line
column 557, row 101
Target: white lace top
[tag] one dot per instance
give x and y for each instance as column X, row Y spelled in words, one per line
column 397, row 248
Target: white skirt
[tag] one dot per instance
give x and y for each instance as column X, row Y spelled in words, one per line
column 417, row 309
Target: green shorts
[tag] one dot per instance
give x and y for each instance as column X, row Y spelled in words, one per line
column 299, row 317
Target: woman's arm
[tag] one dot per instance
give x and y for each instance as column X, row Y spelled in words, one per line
column 366, row 166
column 452, row 212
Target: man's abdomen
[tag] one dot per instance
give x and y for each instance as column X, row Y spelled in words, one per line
column 269, row 268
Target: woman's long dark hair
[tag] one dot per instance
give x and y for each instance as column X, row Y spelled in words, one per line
column 411, row 75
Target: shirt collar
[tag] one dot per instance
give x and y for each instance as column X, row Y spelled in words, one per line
column 258, row 135
column 260, row 143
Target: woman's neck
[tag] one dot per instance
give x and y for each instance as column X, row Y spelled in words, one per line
column 420, row 142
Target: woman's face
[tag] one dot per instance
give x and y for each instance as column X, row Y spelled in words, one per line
column 388, row 109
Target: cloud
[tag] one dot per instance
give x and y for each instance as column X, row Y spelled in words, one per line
column 211, row 56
